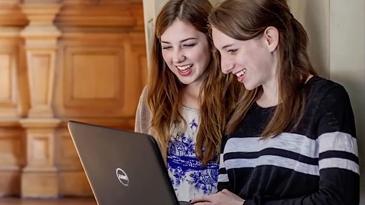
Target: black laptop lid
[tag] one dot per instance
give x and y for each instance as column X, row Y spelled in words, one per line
column 123, row 168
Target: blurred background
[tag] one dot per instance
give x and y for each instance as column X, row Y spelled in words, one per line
column 87, row 60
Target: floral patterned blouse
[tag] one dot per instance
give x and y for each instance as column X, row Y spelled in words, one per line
column 189, row 177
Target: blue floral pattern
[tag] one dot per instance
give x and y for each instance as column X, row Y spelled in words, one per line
column 189, row 177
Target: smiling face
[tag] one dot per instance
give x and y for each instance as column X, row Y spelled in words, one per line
column 186, row 51
column 252, row 61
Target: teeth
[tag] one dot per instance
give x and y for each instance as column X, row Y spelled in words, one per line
column 241, row 72
column 184, row 67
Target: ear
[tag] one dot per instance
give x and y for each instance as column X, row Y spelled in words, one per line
column 271, row 37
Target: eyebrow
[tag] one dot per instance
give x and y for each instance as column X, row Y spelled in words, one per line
column 182, row 41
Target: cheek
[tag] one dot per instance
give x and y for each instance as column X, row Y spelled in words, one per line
column 262, row 61
column 201, row 56
column 166, row 57
column 229, row 60
column 224, row 61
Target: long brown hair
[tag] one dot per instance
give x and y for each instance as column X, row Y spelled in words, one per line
column 164, row 89
column 247, row 19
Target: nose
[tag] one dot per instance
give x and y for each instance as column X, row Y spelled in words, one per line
column 226, row 66
column 178, row 56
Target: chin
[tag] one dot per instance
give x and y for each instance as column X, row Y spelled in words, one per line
column 249, row 87
column 186, row 81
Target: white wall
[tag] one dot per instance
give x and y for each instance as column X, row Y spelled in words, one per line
column 150, row 11
column 347, row 61
column 318, row 28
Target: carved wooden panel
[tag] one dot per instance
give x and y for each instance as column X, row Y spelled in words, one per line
column 105, row 13
column 5, row 79
column 72, row 180
column 92, row 81
column 11, row 158
column 13, row 88
column 39, row 154
column 11, row 148
column 95, row 75
column 8, row 83
column 10, row 13
column 100, row 75
column 10, row 2
column 67, row 157
column 73, row 183
column 10, row 182
column 136, row 65
column 88, row 64
column 41, row 63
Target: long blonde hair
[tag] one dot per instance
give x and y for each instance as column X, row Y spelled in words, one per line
column 164, row 96
column 247, row 19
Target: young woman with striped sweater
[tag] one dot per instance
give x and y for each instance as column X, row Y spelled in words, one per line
column 292, row 138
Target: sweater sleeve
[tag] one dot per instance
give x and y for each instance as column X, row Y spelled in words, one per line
column 338, row 156
column 143, row 114
column 223, row 181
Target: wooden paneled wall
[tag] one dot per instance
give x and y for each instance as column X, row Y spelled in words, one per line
column 63, row 59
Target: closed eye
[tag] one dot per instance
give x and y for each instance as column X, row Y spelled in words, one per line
column 232, row 51
column 189, row 45
column 166, row 47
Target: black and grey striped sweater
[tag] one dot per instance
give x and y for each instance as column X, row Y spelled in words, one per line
column 316, row 164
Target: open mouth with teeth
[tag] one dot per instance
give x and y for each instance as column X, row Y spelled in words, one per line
column 241, row 75
column 184, row 70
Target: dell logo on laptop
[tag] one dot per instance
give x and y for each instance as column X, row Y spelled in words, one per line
column 122, row 177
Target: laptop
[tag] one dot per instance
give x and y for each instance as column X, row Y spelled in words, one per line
column 123, row 168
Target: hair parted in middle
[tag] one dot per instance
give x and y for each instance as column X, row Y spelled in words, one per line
column 217, row 94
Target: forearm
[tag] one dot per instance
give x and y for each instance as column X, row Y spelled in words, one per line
column 345, row 193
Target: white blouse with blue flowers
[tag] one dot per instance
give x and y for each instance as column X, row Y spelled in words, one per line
column 189, row 177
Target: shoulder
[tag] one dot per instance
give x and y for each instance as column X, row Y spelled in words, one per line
column 142, row 104
column 329, row 103
column 326, row 92
column 319, row 86
column 143, row 114
column 144, row 93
